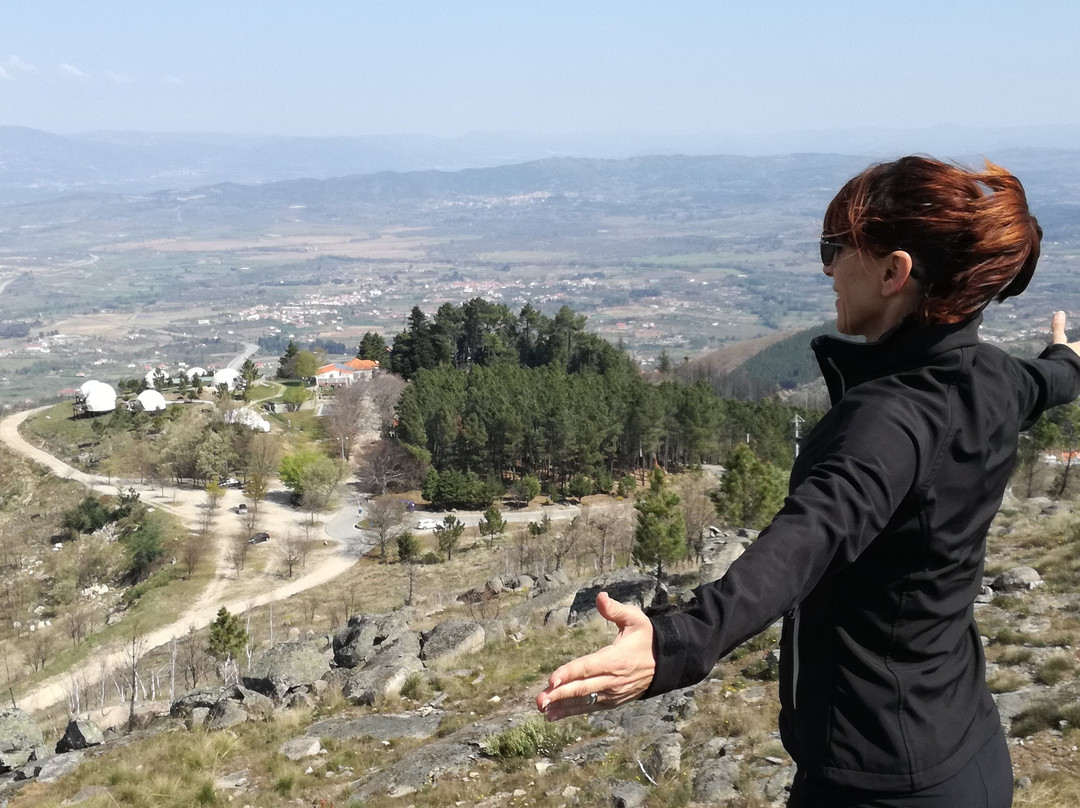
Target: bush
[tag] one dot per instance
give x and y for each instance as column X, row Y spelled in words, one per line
column 430, row 558
column 534, row 737
column 1005, row 681
column 1054, row 669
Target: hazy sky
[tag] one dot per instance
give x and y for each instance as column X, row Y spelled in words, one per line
column 449, row 67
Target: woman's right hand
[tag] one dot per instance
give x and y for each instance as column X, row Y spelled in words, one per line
column 614, row 675
column 1057, row 332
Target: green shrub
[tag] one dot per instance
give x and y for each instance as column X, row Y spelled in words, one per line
column 1005, row 681
column 415, row 687
column 1054, row 669
column 534, row 737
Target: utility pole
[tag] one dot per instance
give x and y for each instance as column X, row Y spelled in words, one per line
column 798, row 421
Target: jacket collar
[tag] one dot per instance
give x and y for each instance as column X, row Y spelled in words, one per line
column 845, row 364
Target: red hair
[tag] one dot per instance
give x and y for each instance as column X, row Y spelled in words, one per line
column 970, row 234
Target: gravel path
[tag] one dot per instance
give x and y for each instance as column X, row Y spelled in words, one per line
column 339, row 553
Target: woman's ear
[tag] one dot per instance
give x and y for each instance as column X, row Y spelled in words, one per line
column 896, row 271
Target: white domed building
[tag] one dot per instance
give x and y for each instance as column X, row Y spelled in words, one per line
column 155, row 373
column 150, row 401
column 247, row 417
column 196, row 373
column 94, row 397
column 229, row 377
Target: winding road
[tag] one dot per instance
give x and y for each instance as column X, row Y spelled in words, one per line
column 236, row 595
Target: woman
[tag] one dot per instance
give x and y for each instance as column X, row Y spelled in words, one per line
column 877, row 555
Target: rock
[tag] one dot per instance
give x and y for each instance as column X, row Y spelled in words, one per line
column 1024, row 783
column 664, row 755
column 377, row 682
column 381, row 726
column 517, row 582
column 715, row 781
column 1018, row 579
column 18, row 730
column 206, row 698
column 80, row 734
column 283, row 666
column 556, row 578
column 494, row 586
column 199, row 717
column 494, row 630
column 593, row 751
column 778, row 784
column 451, row 639
column 626, row 585
column 626, row 794
column 648, row 717
column 369, row 636
column 226, row 713
column 58, row 766
column 559, row 616
column 428, row 764
column 13, row 759
column 718, row 557
column 303, row 747
column 1034, row 625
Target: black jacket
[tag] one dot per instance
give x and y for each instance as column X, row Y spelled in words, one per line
column 877, row 555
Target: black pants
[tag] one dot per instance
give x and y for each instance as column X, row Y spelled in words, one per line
column 985, row 782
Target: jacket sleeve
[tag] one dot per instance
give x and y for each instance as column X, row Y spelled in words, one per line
column 1054, row 380
column 846, row 498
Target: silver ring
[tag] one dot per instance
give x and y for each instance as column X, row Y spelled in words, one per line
column 591, row 699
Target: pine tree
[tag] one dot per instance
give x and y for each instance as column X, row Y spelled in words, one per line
column 660, row 535
column 227, row 636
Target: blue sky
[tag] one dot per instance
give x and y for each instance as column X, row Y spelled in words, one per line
column 542, row 67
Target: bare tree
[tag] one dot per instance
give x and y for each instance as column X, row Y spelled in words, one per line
column 292, row 551
column 346, row 414
column 194, row 661
column 39, row 648
column 262, row 456
column 385, row 466
column 193, row 549
column 75, row 623
column 134, row 648
column 384, row 391
column 610, row 535
column 698, row 509
column 562, row 543
column 386, row 517
column 238, row 552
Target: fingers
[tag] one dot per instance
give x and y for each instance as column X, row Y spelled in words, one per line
column 1057, row 328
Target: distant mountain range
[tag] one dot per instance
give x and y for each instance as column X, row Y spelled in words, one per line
column 36, row 164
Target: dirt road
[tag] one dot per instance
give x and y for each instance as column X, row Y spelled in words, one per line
column 236, row 595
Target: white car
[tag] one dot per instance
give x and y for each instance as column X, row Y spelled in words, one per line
column 427, row 524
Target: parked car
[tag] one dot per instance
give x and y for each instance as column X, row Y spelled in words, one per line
column 259, row 538
column 427, row 524
column 229, row 482
column 408, row 503
column 242, row 508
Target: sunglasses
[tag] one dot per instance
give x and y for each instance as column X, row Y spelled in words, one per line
column 829, row 250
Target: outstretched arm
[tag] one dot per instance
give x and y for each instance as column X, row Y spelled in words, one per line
column 614, row 675
column 1057, row 332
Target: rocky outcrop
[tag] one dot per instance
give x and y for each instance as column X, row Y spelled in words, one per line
column 626, row 586
column 284, row 666
column 20, row 736
column 366, row 637
column 80, row 734
column 451, row 639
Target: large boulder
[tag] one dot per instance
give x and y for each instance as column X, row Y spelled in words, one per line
column 379, row 680
column 719, row 555
column 451, row 639
column 714, row 782
column 1018, row 579
column 276, row 670
column 366, row 637
column 79, row 735
column 185, row 706
column 626, row 586
column 19, row 734
column 381, row 726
